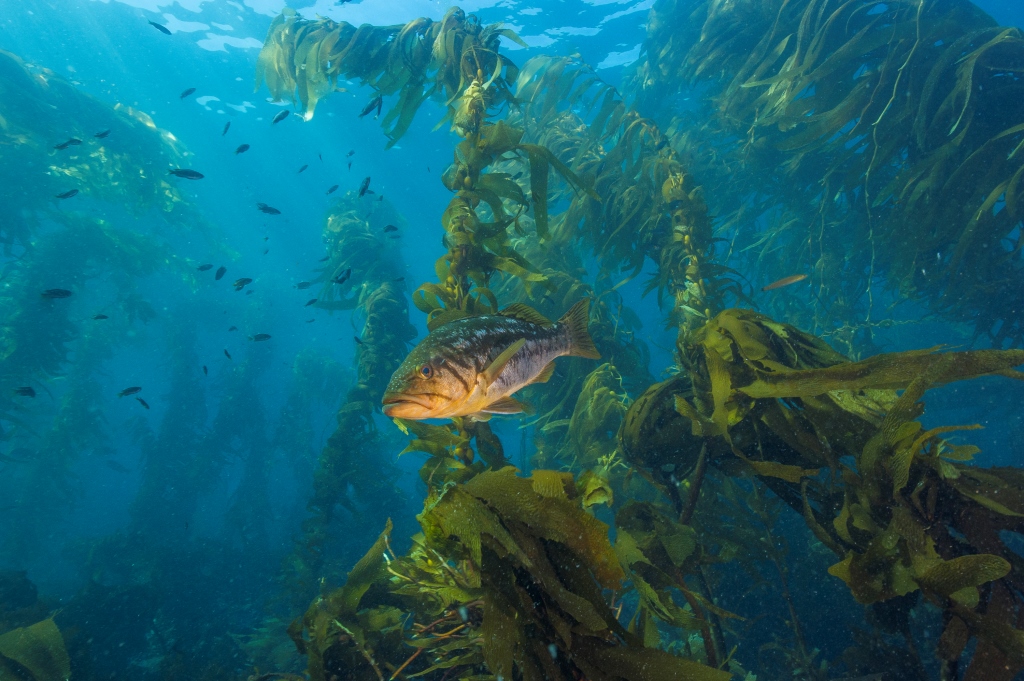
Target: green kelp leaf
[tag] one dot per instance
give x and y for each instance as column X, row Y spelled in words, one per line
column 640, row 664
column 345, row 601
column 462, row 516
column 39, row 649
column 951, row 576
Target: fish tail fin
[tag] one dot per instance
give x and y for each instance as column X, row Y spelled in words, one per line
column 575, row 322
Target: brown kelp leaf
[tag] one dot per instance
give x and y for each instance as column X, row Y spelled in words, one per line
column 345, row 601
column 39, row 649
column 950, row 576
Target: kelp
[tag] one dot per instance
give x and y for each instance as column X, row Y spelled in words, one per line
column 34, row 653
column 895, row 125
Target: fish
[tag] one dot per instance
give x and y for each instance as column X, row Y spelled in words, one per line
column 321, row 157
column 266, row 250
column 187, row 174
column 310, row 321
column 100, row 316
column 73, row 142
column 309, row 302
column 68, row 194
column 56, row 293
column 249, row 292
column 303, row 168
column 186, row 93
column 343, row 277
column 220, row 273
column 25, row 391
column 375, row 103
column 227, row 126
column 358, row 340
column 242, row 148
column 227, row 354
column 260, row 337
column 351, row 153
column 233, row 328
column 391, row 228
column 115, row 466
column 130, row 391
column 102, row 134
column 160, row 27
column 785, row 281
column 364, row 186
column 143, row 402
column 241, row 283
column 269, row 210
column 280, row 117
column 303, row 285
column 206, row 372
column 350, row 165
column 324, row 259
column 204, row 268
column 333, row 189
column 472, row 366
column 399, row 279
column 428, row 169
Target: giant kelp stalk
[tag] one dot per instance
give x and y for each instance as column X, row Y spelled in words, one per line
column 895, row 125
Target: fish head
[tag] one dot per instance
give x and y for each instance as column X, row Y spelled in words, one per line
column 426, row 386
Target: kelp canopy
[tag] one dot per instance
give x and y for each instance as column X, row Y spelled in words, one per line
column 514, row 576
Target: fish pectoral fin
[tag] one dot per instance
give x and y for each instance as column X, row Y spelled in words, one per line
column 508, row 405
column 545, row 373
column 496, row 367
column 479, row 416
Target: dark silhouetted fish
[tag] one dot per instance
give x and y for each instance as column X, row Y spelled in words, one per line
column 56, row 293
column 233, row 328
column 310, row 321
column 302, row 285
column 68, row 194
column 249, row 292
column 343, row 277
column 260, row 337
column 160, row 27
column 241, row 283
column 73, row 142
column 227, row 354
column 102, row 134
column 333, row 189
column 242, row 148
column 227, row 126
column 204, row 268
column 143, row 402
column 266, row 250
column 185, row 173
column 186, row 93
column 350, row 165
column 269, row 210
column 391, row 228
column 358, row 340
column 25, row 391
column 303, row 168
column 206, row 372
column 375, row 103
column 324, row 259
column 220, row 273
column 310, row 302
column 364, row 186
column 280, row 117
column 350, row 153
column 100, row 316
column 130, row 391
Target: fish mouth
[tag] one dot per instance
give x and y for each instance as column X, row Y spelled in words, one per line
column 396, row 401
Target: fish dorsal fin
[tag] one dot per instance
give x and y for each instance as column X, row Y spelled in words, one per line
column 508, row 405
column 492, row 372
column 525, row 313
column 545, row 373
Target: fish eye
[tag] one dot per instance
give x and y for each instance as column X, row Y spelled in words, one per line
column 426, row 371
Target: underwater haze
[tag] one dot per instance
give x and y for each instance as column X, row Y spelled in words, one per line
column 511, row 340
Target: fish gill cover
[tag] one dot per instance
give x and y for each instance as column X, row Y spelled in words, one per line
column 770, row 506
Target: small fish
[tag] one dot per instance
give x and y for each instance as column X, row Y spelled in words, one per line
column 472, row 366
column 115, row 466
column 364, row 186
column 303, row 168
column 269, row 210
column 143, row 402
column 241, row 283
column 358, row 340
column 309, row 302
column 233, row 328
column 321, row 157
column 204, row 268
column 343, row 277
column 242, row 148
column 324, row 259
column 351, row 153
column 186, row 93
column 428, row 169
column 333, row 189
column 73, row 142
column 350, row 165
column 185, row 173
column 249, row 292
column 375, row 103
column 391, row 228
column 303, row 285
column 130, row 391
column 266, row 238
column 310, row 321
column 227, row 126
column 399, row 279
column 260, row 337
column 220, row 273
column 227, row 354
column 785, row 281
column 206, row 372
column 68, row 194
column 102, row 134
column 266, row 250
column 25, row 391
column 381, row 198
column 160, row 27
column 100, row 316
column 280, row 117
column 56, row 293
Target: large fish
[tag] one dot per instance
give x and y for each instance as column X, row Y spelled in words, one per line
column 472, row 366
